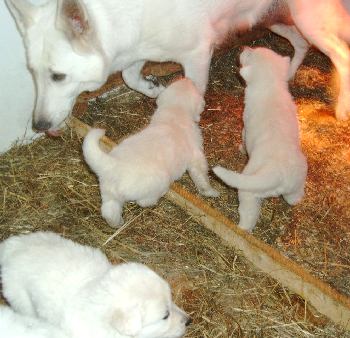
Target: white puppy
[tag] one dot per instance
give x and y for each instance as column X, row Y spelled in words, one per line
column 142, row 167
column 14, row 325
column 276, row 163
column 75, row 287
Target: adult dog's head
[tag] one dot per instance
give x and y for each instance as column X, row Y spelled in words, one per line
column 63, row 55
column 138, row 303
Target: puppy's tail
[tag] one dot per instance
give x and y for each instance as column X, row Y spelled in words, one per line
column 94, row 156
column 254, row 183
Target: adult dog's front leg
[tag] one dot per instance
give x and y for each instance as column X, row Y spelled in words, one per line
column 133, row 78
column 196, row 67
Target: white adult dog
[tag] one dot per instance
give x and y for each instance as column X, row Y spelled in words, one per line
column 75, row 287
column 142, row 167
column 270, row 136
column 73, row 45
column 15, row 325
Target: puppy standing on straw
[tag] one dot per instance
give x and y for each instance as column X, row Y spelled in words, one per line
column 270, row 136
column 142, row 167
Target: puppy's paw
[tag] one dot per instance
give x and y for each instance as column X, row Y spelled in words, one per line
column 249, row 229
column 111, row 212
column 115, row 223
column 210, row 192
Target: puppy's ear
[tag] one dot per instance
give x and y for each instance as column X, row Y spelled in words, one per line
column 127, row 321
column 73, row 19
column 244, row 56
column 23, row 13
column 246, row 72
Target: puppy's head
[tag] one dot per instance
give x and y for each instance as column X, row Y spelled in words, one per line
column 258, row 61
column 140, row 304
column 182, row 93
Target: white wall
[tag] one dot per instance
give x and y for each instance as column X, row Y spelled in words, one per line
column 16, row 85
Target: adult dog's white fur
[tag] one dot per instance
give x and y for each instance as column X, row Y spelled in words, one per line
column 15, row 325
column 73, row 45
column 270, row 136
column 142, row 167
column 75, row 287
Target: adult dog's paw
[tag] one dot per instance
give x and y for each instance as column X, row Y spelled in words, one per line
column 154, row 87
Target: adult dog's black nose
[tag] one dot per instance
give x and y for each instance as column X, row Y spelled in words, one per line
column 41, row 125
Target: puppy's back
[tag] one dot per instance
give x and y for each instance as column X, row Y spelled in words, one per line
column 44, row 262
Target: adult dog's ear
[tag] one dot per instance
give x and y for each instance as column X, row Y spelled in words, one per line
column 23, row 13
column 72, row 18
column 127, row 321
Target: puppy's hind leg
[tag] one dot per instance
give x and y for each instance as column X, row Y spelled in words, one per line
column 198, row 170
column 249, row 210
column 148, row 202
column 294, row 197
column 133, row 78
column 112, row 212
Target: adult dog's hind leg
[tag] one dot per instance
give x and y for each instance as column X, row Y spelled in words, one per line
column 299, row 44
column 321, row 28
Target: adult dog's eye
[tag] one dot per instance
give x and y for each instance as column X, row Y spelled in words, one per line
column 57, row 77
column 167, row 315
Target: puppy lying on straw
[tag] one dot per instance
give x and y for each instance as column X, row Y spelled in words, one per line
column 142, row 167
column 14, row 325
column 75, row 287
column 276, row 163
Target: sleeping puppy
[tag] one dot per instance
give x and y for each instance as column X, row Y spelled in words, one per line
column 76, row 288
column 14, row 325
column 270, row 136
column 142, row 167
